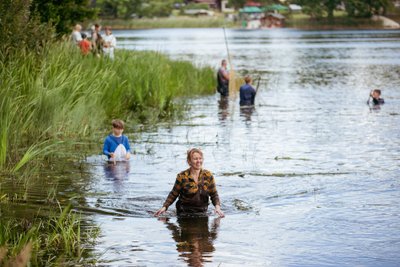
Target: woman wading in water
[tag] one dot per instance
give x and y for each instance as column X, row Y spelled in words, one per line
column 194, row 187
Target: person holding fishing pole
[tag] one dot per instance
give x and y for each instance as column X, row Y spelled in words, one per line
column 223, row 79
column 247, row 93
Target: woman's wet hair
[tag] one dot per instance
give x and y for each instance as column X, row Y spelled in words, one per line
column 191, row 151
column 119, row 124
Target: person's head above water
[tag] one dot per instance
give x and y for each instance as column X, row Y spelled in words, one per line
column 376, row 93
column 119, row 124
column 195, row 158
column 118, row 127
column 247, row 79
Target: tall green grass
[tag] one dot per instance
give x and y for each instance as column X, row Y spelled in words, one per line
column 59, row 239
column 61, row 97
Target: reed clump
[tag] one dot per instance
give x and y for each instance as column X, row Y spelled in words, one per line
column 44, row 241
column 51, row 100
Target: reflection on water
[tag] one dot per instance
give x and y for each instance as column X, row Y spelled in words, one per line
column 117, row 172
column 223, row 106
column 246, row 112
column 194, row 238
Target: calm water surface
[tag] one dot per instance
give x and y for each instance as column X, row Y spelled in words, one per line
column 309, row 178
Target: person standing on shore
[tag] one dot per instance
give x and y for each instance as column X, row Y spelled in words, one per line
column 223, row 79
column 109, row 43
column 85, row 45
column 76, row 36
column 96, row 40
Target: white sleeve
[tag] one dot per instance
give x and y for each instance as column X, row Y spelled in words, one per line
column 113, row 41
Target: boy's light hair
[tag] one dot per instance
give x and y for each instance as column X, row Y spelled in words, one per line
column 119, row 124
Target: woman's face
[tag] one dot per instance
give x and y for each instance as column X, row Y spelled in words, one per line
column 196, row 161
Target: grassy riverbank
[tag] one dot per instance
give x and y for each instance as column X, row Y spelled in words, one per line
column 62, row 98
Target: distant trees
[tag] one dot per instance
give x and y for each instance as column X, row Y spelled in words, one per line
column 367, row 8
column 62, row 14
column 135, row 8
column 118, row 8
column 354, row 8
column 21, row 29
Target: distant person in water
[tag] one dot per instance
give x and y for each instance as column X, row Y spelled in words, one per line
column 116, row 145
column 247, row 93
column 223, row 79
column 193, row 188
column 376, row 97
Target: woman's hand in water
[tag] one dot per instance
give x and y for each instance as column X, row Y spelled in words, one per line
column 219, row 211
column 128, row 156
column 160, row 211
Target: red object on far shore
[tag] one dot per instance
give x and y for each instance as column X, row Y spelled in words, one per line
column 253, row 3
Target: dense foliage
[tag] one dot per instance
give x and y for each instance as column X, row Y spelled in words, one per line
column 63, row 14
column 354, row 8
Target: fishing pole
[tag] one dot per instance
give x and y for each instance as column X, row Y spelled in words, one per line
column 258, row 83
column 227, row 48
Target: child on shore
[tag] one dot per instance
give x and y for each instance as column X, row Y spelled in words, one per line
column 116, row 145
column 376, row 97
column 85, row 45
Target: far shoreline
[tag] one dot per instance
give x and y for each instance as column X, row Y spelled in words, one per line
column 218, row 22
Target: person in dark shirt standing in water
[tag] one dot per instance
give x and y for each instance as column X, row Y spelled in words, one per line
column 376, row 97
column 247, row 93
column 223, row 79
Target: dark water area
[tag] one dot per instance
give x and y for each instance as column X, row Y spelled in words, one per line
column 310, row 177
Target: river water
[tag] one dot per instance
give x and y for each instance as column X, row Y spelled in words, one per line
column 309, row 178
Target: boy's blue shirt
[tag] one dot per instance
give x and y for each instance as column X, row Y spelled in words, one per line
column 111, row 143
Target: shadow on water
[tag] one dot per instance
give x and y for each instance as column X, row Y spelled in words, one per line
column 194, row 238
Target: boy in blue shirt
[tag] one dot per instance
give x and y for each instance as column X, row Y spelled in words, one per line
column 116, row 145
column 247, row 93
